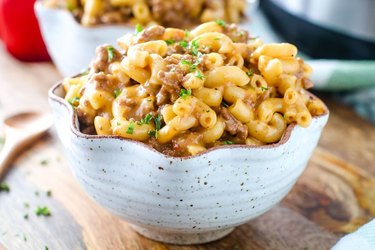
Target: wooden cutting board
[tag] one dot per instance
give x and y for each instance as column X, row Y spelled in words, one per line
column 334, row 196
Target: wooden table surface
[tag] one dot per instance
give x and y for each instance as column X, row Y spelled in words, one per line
column 334, row 196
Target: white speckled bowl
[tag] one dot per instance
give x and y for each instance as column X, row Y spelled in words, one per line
column 72, row 46
column 183, row 200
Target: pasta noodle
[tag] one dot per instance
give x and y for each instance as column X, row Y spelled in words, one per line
column 198, row 91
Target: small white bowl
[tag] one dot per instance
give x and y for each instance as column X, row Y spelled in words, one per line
column 71, row 45
column 185, row 200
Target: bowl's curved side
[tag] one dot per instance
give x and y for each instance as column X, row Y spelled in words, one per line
column 219, row 189
column 71, row 45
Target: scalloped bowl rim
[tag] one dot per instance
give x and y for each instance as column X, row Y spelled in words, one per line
column 73, row 128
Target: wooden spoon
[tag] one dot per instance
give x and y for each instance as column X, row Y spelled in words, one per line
column 20, row 131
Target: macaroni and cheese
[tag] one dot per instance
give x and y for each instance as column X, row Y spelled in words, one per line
column 182, row 92
column 172, row 13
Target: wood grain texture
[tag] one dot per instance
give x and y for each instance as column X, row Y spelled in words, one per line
column 334, row 196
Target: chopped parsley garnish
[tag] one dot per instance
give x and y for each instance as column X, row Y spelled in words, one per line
column 138, row 28
column 170, row 41
column 4, row 187
column 194, row 46
column 185, row 93
column 186, row 62
column 26, row 216
column 153, row 133
column 220, row 22
column 130, row 129
column 44, row 162
column 111, row 53
column 145, row 120
column 250, row 72
column 74, row 101
column 43, row 211
column 199, row 74
column 26, row 205
column 157, row 120
column 193, row 66
column 117, row 92
column 228, row 142
column 184, row 44
column 49, row 193
column 263, row 88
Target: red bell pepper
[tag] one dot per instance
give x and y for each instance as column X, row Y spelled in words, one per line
column 20, row 32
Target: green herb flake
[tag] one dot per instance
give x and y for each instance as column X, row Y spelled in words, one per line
column 145, row 120
column 43, row 211
column 26, row 216
column 185, row 93
column 228, row 142
column 138, row 28
column 170, row 41
column 250, row 72
column 157, row 121
column 44, row 162
column 25, row 238
column 4, row 187
column 194, row 47
column 117, row 92
column 111, row 53
column 184, row 44
column 46, row 248
column 263, row 88
column 186, row 62
column 199, row 74
column 49, row 193
column 217, row 38
column 74, row 101
column 130, row 129
column 153, row 133
column 220, row 22
column 26, row 205
column 224, row 104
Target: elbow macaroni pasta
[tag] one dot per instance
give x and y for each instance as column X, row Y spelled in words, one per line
column 177, row 13
column 185, row 96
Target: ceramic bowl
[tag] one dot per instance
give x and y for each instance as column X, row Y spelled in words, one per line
column 185, row 200
column 72, row 46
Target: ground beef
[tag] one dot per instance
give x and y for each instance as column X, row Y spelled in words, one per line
column 171, row 86
column 152, row 33
column 175, row 49
column 236, row 34
column 101, row 60
column 102, row 81
column 170, row 13
column 307, row 83
column 233, row 126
